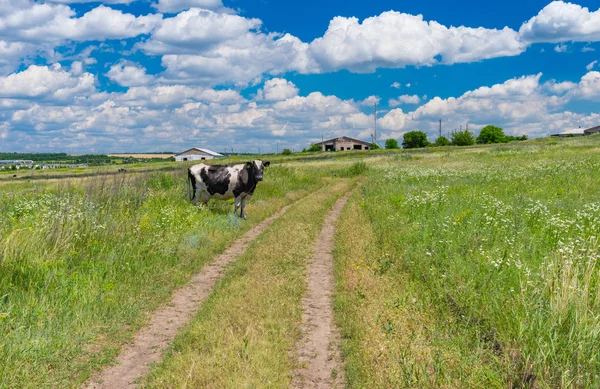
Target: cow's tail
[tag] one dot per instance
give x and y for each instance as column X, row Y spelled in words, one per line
column 191, row 185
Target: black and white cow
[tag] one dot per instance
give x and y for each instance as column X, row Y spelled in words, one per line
column 225, row 182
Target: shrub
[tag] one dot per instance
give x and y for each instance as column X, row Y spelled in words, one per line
column 415, row 139
column 286, row 152
column 374, row 146
column 491, row 134
column 391, row 143
column 463, row 138
column 315, row 148
column 442, row 141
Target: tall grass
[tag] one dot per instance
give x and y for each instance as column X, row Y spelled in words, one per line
column 507, row 240
column 81, row 264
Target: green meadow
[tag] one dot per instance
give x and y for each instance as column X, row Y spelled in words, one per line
column 455, row 267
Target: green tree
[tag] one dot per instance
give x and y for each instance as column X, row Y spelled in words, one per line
column 491, row 134
column 391, row 143
column 511, row 138
column 463, row 138
column 315, row 147
column 286, row 152
column 415, row 139
column 374, row 146
column 442, row 141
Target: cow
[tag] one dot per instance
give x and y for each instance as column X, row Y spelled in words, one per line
column 225, row 182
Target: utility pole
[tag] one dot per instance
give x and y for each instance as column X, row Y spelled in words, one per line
column 440, row 128
column 277, row 147
column 467, row 126
column 259, row 151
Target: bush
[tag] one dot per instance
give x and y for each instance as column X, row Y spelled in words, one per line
column 286, row 152
column 491, row 134
column 442, row 141
column 315, row 148
column 510, row 138
column 391, row 144
column 463, row 138
column 415, row 139
column 375, row 146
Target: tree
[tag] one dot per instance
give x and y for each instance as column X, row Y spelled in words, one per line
column 415, row 139
column 374, row 146
column 315, row 147
column 511, row 138
column 491, row 134
column 463, row 138
column 286, row 152
column 391, row 143
column 442, row 141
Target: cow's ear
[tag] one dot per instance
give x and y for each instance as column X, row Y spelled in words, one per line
column 267, row 163
column 249, row 165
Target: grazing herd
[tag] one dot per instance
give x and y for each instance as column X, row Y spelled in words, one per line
column 225, row 182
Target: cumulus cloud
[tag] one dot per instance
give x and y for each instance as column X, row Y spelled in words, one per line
column 396, row 40
column 173, row 6
column 404, row 99
column 46, row 82
column 560, row 48
column 277, row 89
column 560, row 22
column 127, row 73
column 42, row 22
column 396, row 85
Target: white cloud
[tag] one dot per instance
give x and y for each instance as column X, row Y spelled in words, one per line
column 588, row 88
column 396, row 85
column 44, row 81
column 91, row 1
column 394, row 120
column 591, row 65
column 173, row 6
column 126, row 73
column 196, row 30
column 560, row 48
column 396, row 40
column 277, row 89
column 404, row 99
column 408, row 85
column 562, row 22
column 26, row 22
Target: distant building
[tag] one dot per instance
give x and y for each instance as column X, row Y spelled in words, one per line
column 592, row 130
column 344, row 143
column 575, row 132
column 196, row 154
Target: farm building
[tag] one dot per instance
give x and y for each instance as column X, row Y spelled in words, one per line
column 575, row 132
column 195, row 154
column 592, row 130
column 344, row 143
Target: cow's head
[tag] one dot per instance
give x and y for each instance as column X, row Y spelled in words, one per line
column 256, row 167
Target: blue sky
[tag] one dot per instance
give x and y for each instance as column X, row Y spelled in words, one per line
column 141, row 76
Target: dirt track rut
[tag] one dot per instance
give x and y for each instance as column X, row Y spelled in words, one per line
column 318, row 353
column 151, row 341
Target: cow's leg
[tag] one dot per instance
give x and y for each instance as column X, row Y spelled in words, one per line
column 204, row 197
column 243, row 214
column 237, row 202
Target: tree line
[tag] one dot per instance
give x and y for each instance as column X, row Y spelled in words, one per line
column 488, row 134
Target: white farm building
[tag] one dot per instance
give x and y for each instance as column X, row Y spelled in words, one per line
column 196, row 154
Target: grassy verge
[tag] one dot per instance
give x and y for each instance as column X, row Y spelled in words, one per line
column 81, row 265
column 504, row 241
column 392, row 336
column 245, row 333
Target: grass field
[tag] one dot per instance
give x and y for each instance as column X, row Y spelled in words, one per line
column 455, row 267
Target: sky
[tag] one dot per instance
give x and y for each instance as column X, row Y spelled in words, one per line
column 83, row 76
